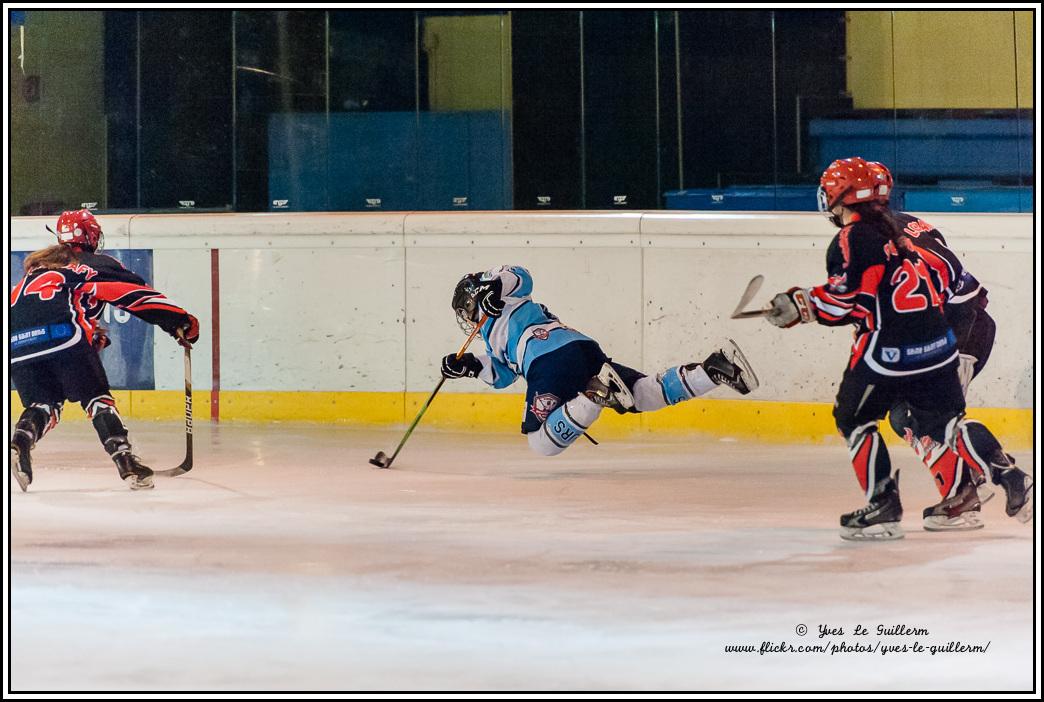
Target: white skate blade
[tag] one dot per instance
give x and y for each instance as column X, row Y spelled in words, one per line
column 985, row 493
column 885, row 531
column 609, row 377
column 21, row 478
column 136, row 483
column 968, row 521
column 733, row 353
column 1025, row 514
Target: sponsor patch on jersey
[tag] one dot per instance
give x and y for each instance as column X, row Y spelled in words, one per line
column 890, row 354
column 839, row 282
column 543, row 405
column 541, row 333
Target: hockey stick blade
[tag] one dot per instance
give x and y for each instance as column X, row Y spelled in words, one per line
column 753, row 313
column 382, row 461
column 752, row 289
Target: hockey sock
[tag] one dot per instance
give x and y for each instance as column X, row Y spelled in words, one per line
column 107, row 423
column 978, row 447
column 869, row 458
column 37, row 419
column 564, row 426
column 945, row 467
column 674, row 385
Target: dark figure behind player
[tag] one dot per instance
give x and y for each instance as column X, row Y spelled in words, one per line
column 962, row 486
column 904, row 350
column 55, row 340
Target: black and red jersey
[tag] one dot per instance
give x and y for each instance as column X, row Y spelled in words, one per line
column 55, row 309
column 893, row 296
column 960, row 286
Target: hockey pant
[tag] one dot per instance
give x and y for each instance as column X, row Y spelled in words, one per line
column 551, row 425
column 75, row 374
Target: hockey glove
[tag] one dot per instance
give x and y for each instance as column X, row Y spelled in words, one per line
column 487, row 292
column 189, row 332
column 100, row 338
column 467, row 366
column 789, row 308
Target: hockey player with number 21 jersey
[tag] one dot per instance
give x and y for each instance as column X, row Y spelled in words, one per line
column 569, row 379
column 55, row 341
column 905, row 351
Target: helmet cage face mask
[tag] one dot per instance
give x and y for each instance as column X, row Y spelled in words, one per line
column 465, row 306
column 824, row 208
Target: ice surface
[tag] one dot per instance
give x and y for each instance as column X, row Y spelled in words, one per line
column 284, row 561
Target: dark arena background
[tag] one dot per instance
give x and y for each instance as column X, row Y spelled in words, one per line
column 253, row 452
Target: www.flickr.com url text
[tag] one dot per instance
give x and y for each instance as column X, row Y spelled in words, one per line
column 832, row 648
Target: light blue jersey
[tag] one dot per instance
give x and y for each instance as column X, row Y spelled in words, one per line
column 524, row 331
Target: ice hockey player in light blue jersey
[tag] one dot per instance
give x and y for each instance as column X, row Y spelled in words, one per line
column 569, row 378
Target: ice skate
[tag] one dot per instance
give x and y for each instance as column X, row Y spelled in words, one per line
column 21, row 461
column 730, row 367
column 982, row 487
column 879, row 520
column 133, row 472
column 961, row 512
column 1018, row 487
column 608, row 390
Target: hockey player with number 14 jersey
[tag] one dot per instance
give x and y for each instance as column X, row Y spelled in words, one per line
column 55, row 341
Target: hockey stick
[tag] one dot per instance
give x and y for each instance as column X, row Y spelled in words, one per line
column 752, row 289
column 381, row 460
column 186, row 465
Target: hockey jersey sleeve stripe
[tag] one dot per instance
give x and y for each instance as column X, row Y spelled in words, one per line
column 837, row 298
column 824, row 305
column 134, row 298
column 81, row 316
column 958, row 299
column 115, row 291
column 871, row 280
column 17, row 290
column 521, row 282
column 156, row 305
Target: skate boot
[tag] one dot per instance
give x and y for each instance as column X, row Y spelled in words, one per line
column 959, row 512
column 879, row 520
column 729, row 367
column 132, row 471
column 1019, row 490
column 982, row 487
column 21, row 462
column 608, row 390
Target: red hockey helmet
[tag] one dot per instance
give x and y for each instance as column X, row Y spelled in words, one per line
column 851, row 180
column 881, row 172
column 80, row 228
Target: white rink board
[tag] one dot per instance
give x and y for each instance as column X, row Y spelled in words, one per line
column 184, row 275
column 317, row 301
column 312, row 319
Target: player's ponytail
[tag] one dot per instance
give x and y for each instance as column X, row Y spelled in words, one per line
column 880, row 215
column 52, row 258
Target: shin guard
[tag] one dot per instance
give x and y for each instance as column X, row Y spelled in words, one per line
column 564, row 426
column 869, row 458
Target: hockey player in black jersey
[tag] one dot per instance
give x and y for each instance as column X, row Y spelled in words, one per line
column 904, row 349
column 55, row 340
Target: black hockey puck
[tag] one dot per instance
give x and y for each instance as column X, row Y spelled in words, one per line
column 380, row 460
